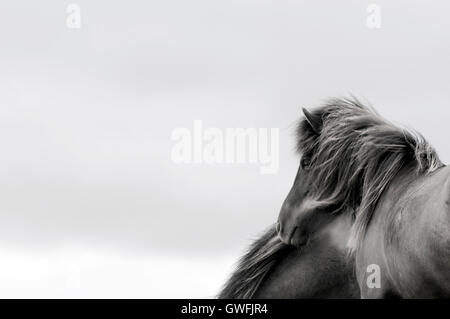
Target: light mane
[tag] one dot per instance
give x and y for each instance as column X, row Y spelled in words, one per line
column 356, row 155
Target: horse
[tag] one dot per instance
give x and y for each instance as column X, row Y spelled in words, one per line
column 272, row 269
column 392, row 184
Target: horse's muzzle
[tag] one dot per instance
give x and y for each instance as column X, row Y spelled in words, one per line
column 294, row 237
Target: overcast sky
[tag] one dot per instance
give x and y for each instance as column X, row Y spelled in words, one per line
column 86, row 117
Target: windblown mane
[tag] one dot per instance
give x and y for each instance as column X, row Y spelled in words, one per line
column 355, row 155
column 254, row 266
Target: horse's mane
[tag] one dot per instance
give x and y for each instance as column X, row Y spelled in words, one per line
column 254, row 266
column 355, row 154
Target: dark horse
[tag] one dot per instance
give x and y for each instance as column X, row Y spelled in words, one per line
column 272, row 269
column 392, row 184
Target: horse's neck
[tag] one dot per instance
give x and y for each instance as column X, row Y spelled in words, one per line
column 394, row 199
column 403, row 183
column 411, row 223
column 408, row 184
column 337, row 231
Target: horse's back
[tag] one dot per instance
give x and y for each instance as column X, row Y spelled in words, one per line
column 321, row 269
column 291, row 278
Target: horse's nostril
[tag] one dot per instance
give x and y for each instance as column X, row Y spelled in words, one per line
column 278, row 227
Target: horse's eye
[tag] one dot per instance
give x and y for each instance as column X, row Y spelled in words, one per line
column 305, row 162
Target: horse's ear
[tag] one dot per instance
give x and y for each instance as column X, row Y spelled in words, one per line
column 315, row 121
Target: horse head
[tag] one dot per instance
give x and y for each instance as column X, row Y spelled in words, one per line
column 349, row 155
column 302, row 213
